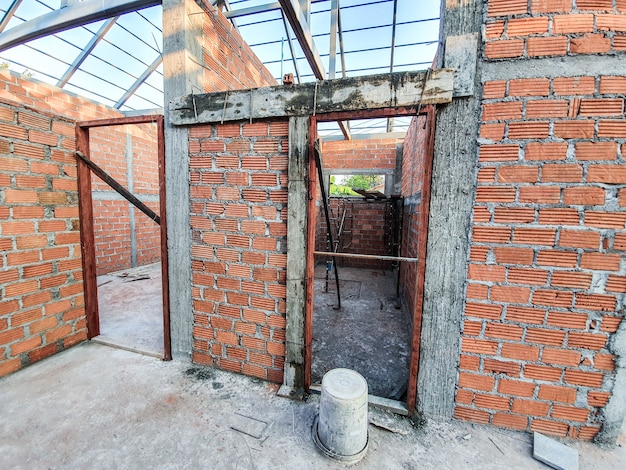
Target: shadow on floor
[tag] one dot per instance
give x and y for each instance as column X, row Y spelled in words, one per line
column 130, row 305
column 370, row 334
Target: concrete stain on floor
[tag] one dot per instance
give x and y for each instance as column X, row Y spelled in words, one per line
column 369, row 334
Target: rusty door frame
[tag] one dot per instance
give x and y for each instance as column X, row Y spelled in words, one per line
column 430, row 113
column 87, row 237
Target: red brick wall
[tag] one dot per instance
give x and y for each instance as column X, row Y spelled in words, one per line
column 368, row 225
column 239, row 246
column 363, row 154
column 413, row 160
column 554, row 28
column 41, row 295
column 229, row 62
column 545, row 283
column 368, row 218
column 112, row 228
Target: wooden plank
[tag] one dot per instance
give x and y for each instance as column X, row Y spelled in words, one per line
column 297, row 230
column 87, row 241
column 167, row 342
column 142, row 119
column 121, row 190
column 390, row 90
column 310, row 259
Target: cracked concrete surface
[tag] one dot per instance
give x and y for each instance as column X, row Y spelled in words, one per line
column 97, row 407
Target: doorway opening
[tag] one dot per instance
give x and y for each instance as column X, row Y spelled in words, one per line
column 123, row 233
column 368, row 225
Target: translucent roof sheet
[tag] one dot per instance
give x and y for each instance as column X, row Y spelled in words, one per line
column 122, row 68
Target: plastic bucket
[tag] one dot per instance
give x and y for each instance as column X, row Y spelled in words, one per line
column 340, row 429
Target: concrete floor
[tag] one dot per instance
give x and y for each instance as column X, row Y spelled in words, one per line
column 102, row 408
column 131, row 309
column 370, row 334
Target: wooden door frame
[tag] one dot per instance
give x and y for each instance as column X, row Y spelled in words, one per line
column 87, row 237
column 430, row 113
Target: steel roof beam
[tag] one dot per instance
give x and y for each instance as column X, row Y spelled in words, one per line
column 292, row 52
column 302, row 30
column 332, row 60
column 142, row 78
column 86, row 51
column 72, row 16
column 9, row 14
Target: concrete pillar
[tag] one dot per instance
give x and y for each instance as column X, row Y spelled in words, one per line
column 182, row 52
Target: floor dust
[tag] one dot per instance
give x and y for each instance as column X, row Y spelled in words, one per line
column 130, row 306
column 96, row 407
column 369, row 334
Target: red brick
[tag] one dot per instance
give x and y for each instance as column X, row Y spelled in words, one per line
column 557, row 393
column 579, row 239
column 499, row 153
column 494, row 366
column 470, row 414
column 525, row 315
column 530, row 407
column 553, row 298
column 611, row 22
column 547, row 46
column 575, row 129
column 549, row 427
column 549, row 6
column 562, row 259
column 570, row 413
column 586, row 151
column 593, row 341
column 477, row 310
column 532, row 236
column 546, row 151
column 518, row 174
column 476, row 382
column 540, row 194
column 584, row 378
column 562, row 357
column 537, row 372
column 520, row 351
column 504, row 49
column 507, row 7
column 502, row 110
column 516, row 388
column 584, row 196
column 491, row 402
column 575, row 23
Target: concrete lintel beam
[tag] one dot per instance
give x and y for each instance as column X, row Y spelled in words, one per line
column 72, row 16
column 396, row 90
column 300, row 25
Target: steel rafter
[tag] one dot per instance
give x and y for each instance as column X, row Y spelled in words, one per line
column 332, row 60
column 302, row 30
column 86, row 51
column 390, row 121
column 142, row 78
column 69, row 17
column 292, row 52
column 9, row 14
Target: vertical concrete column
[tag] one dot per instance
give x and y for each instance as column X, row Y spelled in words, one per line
column 297, row 230
column 451, row 204
column 182, row 52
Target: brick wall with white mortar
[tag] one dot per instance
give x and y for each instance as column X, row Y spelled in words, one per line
column 239, row 246
column 41, row 290
column 547, row 276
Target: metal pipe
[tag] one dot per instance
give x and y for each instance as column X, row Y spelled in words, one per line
column 329, row 233
column 374, row 257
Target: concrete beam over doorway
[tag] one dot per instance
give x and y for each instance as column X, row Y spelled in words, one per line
column 390, row 90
